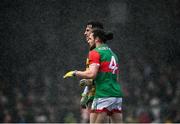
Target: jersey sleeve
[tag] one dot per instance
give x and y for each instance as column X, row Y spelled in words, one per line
column 94, row 57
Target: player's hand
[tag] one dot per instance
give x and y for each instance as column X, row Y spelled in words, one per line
column 85, row 82
column 70, row 74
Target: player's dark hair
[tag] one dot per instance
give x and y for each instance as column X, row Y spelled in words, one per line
column 102, row 35
column 95, row 24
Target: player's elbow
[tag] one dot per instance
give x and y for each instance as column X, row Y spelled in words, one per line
column 92, row 75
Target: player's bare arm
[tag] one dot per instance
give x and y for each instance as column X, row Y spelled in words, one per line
column 89, row 73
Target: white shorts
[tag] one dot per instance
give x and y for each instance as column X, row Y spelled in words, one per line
column 109, row 105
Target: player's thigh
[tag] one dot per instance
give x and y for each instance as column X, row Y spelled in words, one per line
column 93, row 117
column 101, row 117
column 84, row 115
column 116, row 118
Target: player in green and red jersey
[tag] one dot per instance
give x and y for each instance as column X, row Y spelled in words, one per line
column 104, row 70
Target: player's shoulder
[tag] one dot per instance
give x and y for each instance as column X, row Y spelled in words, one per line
column 94, row 52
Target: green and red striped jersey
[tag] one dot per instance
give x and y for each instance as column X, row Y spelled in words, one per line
column 106, row 79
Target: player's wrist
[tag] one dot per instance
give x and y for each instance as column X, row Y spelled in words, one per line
column 75, row 73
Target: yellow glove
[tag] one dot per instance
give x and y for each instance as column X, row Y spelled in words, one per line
column 70, row 74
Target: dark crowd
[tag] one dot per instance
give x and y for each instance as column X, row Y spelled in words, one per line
column 41, row 40
column 152, row 94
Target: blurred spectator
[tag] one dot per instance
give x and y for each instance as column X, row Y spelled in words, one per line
column 7, row 117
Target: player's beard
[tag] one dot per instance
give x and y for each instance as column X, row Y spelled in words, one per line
column 92, row 47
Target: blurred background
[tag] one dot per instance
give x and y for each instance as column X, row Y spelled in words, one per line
column 40, row 40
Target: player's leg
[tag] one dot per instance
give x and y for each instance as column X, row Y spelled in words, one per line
column 93, row 114
column 93, row 117
column 116, row 118
column 101, row 117
column 84, row 115
column 100, row 108
column 116, row 112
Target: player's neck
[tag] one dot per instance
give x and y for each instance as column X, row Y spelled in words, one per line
column 98, row 44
